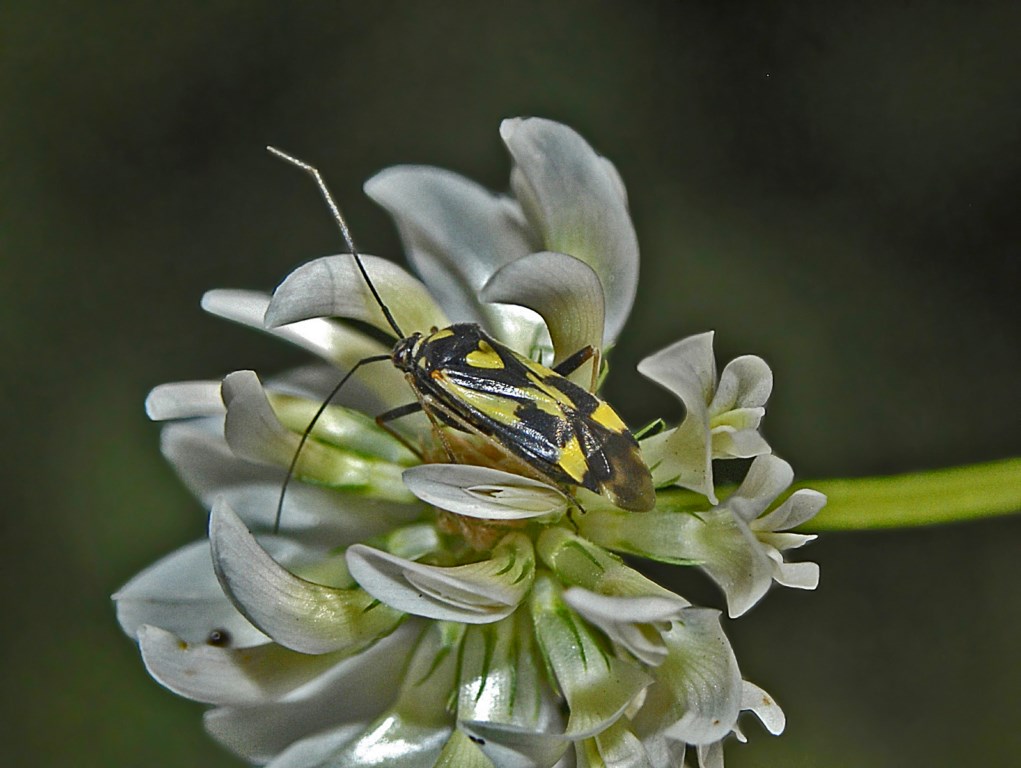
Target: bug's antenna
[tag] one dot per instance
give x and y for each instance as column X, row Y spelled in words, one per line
column 308, row 431
column 349, row 241
column 312, row 171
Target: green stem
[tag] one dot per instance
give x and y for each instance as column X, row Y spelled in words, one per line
column 920, row 498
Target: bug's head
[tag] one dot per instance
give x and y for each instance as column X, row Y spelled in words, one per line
column 404, row 352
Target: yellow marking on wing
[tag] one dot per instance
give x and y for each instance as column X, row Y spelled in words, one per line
column 484, row 357
column 605, row 415
column 572, row 460
column 499, row 409
column 546, row 398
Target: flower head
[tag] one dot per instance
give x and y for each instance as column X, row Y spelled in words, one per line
column 434, row 593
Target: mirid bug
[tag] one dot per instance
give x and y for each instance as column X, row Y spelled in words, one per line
column 464, row 379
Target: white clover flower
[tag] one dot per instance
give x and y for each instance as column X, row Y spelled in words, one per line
column 411, row 610
column 733, row 542
column 722, row 417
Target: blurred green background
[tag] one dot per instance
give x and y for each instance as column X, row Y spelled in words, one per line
column 831, row 186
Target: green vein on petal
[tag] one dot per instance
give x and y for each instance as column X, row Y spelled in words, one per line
column 254, row 433
column 598, row 687
column 342, row 427
column 501, row 680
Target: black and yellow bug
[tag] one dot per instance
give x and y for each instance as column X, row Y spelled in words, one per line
column 467, row 380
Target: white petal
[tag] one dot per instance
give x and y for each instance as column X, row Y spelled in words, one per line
column 701, row 672
column 618, row 747
column 801, row 507
column 511, row 747
column 335, row 342
column 180, row 593
column 477, row 593
column 238, row 305
column 768, row 477
column 252, row 429
column 393, row 743
column 718, row 541
column 334, row 287
column 346, row 428
column 412, row 733
column 355, row 692
column 663, row 752
column 322, row 337
column 205, row 463
column 314, row 381
column 735, row 560
column 765, row 708
column 315, row 751
column 254, row 433
column 746, row 382
column 323, row 516
column 461, row 751
column 738, row 419
column 686, row 368
column 483, row 492
column 619, row 618
column 598, row 687
column 184, row 400
column 579, row 562
column 710, row 755
column 743, row 444
column 306, row 617
column 502, row 680
column 631, row 609
column 216, row 675
column 784, row 541
column 574, row 199
column 456, row 234
column 565, row 291
column 682, row 456
column 796, row 575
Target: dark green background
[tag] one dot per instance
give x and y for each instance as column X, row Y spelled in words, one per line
column 831, row 186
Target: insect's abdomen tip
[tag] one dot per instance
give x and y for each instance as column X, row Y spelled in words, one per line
column 634, row 493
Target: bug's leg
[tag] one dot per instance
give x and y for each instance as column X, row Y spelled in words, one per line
column 569, row 365
column 438, row 410
column 573, row 505
column 574, row 362
column 396, row 413
column 428, row 406
column 308, row 431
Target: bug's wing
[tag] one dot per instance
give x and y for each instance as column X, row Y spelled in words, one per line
column 563, row 431
column 614, row 466
column 507, row 409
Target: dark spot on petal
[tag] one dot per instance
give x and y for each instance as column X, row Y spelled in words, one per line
column 478, row 740
column 219, row 638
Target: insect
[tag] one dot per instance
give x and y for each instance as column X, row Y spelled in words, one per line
column 463, row 378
